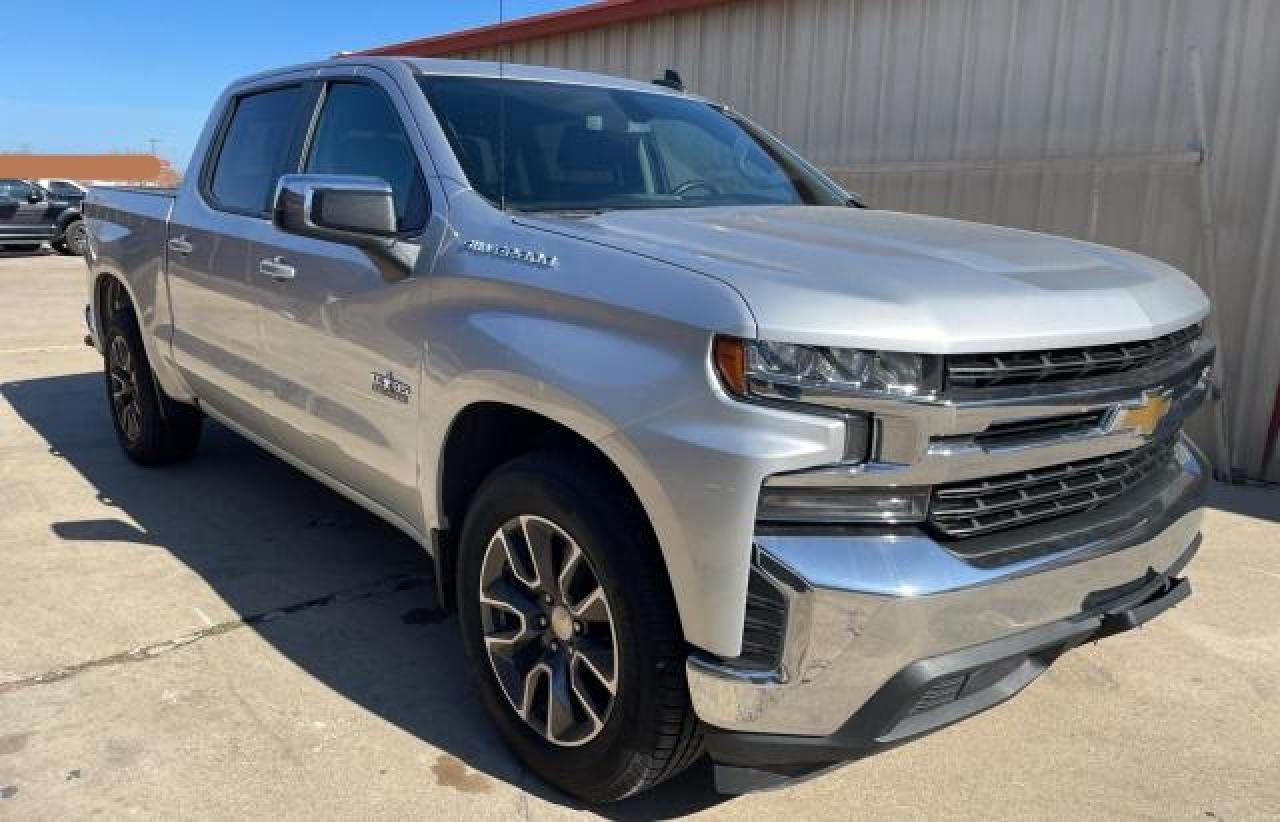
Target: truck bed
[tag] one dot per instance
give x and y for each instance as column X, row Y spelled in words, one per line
column 155, row 203
column 128, row 232
column 128, row 236
column 159, row 191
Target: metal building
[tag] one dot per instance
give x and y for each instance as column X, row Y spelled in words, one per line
column 1152, row 125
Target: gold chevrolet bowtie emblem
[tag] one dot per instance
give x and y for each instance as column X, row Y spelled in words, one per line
column 1144, row 417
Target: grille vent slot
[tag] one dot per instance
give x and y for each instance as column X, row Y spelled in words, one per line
column 1039, row 430
column 766, row 624
column 971, row 508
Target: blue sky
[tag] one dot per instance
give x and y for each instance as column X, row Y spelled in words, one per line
column 107, row 75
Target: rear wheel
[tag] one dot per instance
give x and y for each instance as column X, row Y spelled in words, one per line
column 571, row 630
column 75, row 240
column 151, row 428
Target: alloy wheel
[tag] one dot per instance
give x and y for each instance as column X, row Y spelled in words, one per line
column 124, row 389
column 548, row 630
column 78, row 238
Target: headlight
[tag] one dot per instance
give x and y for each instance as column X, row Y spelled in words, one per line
column 821, row 374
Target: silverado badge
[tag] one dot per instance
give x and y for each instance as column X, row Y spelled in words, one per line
column 388, row 386
column 511, row 252
column 1144, row 416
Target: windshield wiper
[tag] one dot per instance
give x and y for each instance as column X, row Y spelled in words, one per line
column 565, row 212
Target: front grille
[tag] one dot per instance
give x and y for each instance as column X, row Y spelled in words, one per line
column 978, row 371
column 970, row 508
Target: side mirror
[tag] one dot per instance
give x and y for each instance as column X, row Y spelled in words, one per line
column 359, row 211
column 34, row 196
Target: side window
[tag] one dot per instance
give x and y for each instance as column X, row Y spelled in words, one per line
column 256, row 149
column 14, row 190
column 360, row 133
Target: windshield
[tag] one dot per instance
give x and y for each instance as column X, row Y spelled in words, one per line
column 585, row 148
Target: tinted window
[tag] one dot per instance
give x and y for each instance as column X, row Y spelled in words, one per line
column 59, row 187
column 360, row 133
column 256, row 149
column 556, row 146
column 14, row 190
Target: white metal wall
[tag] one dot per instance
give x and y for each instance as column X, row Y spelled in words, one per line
column 953, row 107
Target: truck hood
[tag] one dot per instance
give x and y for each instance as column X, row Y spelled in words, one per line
column 893, row 281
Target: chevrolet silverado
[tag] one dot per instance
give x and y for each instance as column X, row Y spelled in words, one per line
column 709, row 458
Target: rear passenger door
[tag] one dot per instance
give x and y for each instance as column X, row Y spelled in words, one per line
column 212, row 236
column 343, row 320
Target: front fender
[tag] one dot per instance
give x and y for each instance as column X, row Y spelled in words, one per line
column 695, row 463
column 619, row 352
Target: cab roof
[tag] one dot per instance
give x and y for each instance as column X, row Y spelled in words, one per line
column 450, row 67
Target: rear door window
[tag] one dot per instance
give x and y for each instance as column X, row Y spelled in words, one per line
column 257, row 146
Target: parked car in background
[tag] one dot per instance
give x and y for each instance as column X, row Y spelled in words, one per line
column 64, row 190
column 31, row 215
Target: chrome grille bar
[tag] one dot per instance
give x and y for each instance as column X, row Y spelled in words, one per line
column 976, row 371
column 968, row 509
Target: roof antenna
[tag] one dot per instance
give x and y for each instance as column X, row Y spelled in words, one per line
column 502, row 113
column 670, row 79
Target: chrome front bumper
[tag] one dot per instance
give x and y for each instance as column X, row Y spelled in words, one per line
column 864, row 606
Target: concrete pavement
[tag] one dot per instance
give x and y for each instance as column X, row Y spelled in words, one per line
column 229, row 639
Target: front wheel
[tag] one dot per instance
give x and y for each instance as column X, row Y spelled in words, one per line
column 570, row 628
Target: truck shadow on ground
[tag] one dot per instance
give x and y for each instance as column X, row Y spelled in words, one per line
column 345, row 597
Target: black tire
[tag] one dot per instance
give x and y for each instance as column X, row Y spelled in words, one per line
column 151, row 428
column 650, row 732
column 74, row 241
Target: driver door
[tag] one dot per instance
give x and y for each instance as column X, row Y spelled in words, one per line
column 335, row 319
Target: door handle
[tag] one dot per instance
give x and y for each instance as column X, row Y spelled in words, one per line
column 277, row 269
column 179, row 245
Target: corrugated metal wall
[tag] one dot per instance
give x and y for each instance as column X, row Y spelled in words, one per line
column 930, row 105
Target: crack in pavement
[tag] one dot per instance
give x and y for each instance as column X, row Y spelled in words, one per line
column 43, row 349
column 387, row 585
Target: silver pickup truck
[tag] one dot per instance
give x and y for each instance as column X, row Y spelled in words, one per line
column 709, row 457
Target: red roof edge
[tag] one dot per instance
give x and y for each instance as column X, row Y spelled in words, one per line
column 578, row 18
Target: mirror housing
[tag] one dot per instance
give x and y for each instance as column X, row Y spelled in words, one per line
column 35, row 196
column 358, row 211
